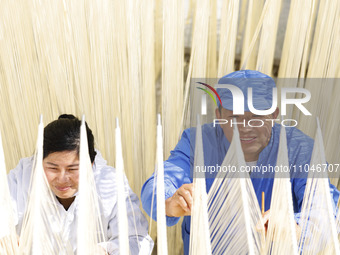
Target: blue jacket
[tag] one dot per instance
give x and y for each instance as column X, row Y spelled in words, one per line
column 178, row 168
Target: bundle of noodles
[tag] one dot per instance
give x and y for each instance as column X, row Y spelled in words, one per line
column 89, row 226
column 172, row 70
column 41, row 230
column 162, row 246
column 8, row 237
column 252, row 20
column 200, row 235
column 297, row 39
column 317, row 214
column 323, row 63
column 198, row 56
column 236, row 225
column 247, row 52
column 122, row 215
column 281, row 235
column 337, row 220
column 228, row 37
column 268, row 37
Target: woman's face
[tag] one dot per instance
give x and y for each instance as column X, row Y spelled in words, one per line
column 62, row 172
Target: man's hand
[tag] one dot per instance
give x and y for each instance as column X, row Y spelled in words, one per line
column 181, row 202
column 266, row 217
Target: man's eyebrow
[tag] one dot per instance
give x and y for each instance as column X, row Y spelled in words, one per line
column 73, row 165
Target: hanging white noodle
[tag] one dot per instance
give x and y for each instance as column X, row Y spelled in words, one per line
column 122, row 214
column 253, row 16
column 236, row 225
column 8, row 236
column 228, row 35
column 89, row 225
column 317, row 214
column 162, row 247
column 199, row 228
column 41, row 228
column 198, row 57
column 296, row 41
column 268, row 38
column 249, row 50
column 281, row 236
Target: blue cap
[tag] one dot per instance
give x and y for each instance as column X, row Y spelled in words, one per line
column 261, row 84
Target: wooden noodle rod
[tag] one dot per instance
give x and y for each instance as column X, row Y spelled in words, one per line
column 262, row 203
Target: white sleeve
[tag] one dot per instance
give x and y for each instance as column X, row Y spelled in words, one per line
column 18, row 183
column 8, row 217
column 13, row 190
column 139, row 240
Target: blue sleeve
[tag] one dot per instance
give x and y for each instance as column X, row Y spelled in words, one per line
column 300, row 149
column 335, row 194
column 176, row 173
column 315, row 222
column 299, row 189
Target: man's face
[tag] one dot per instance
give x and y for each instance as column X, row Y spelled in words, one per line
column 62, row 172
column 253, row 139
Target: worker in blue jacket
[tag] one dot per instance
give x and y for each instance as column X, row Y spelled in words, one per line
column 259, row 144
